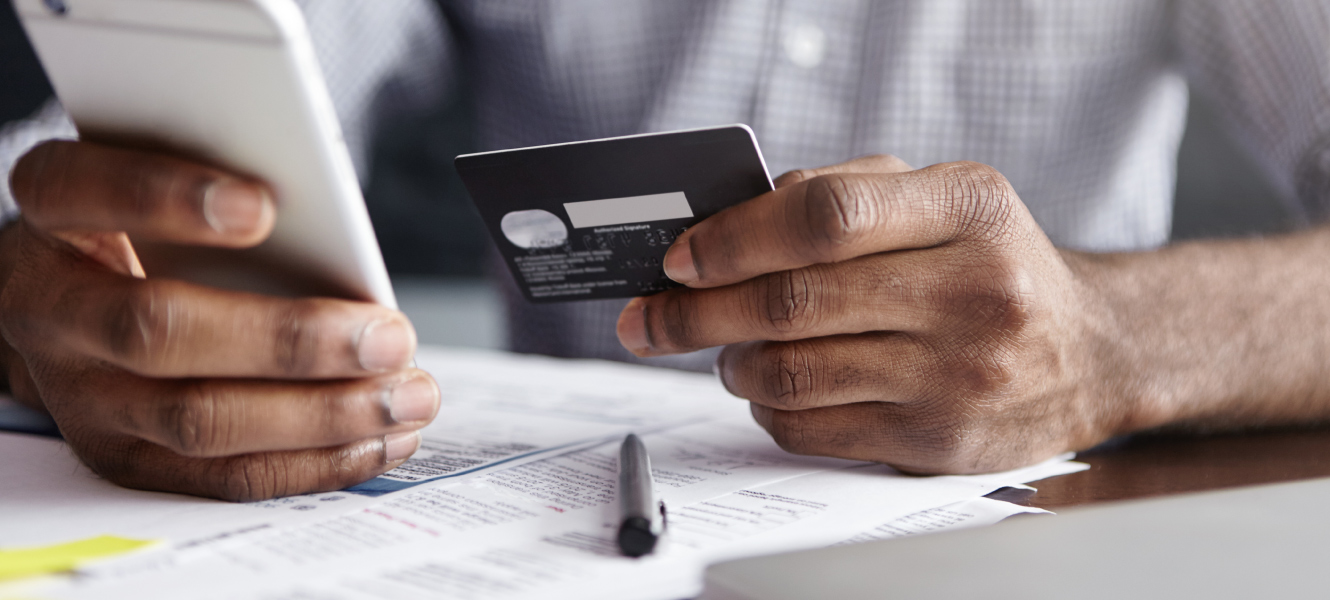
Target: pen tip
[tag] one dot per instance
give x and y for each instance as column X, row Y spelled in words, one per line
column 635, row 537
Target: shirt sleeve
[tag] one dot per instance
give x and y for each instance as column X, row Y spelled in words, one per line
column 1266, row 67
column 18, row 137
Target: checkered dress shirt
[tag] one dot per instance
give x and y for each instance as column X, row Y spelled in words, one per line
column 1080, row 103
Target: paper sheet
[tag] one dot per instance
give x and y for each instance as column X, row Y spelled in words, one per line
column 544, row 530
column 515, row 499
column 48, row 497
column 499, row 411
column 505, row 409
column 582, row 563
column 976, row 512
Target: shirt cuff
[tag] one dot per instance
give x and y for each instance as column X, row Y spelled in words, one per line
column 50, row 122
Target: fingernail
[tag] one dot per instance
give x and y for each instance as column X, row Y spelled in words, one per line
column 679, row 262
column 632, row 327
column 414, row 400
column 400, row 446
column 234, row 206
column 385, row 345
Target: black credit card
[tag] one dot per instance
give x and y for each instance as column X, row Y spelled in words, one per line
column 593, row 219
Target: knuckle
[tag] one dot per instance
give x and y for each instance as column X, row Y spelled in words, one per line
column 143, row 189
column 794, row 432
column 297, row 338
column 338, row 415
column 791, row 383
column 347, row 466
column 38, row 177
column 998, row 296
column 894, row 162
column 973, row 371
column 982, row 198
column 150, row 186
column 883, row 163
column 249, row 478
column 268, row 475
column 139, row 326
column 944, row 442
column 671, row 322
column 790, row 300
column 191, row 423
column 798, row 175
column 987, row 375
column 115, row 462
column 839, row 210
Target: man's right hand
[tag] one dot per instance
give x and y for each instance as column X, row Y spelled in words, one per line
column 166, row 385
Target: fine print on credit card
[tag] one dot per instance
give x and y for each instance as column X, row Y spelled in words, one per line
column 593, row 219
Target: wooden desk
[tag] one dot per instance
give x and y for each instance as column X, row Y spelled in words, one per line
column 1144, row 466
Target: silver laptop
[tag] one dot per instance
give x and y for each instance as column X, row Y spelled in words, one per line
column 1270, row 541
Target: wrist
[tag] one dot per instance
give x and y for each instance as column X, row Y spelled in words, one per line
column 1125, row 388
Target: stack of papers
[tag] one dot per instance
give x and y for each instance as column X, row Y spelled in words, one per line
column 511, row 496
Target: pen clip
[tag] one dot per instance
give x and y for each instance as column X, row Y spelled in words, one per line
column 662, row 522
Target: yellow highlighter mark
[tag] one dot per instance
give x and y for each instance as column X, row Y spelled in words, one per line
column 45, row 560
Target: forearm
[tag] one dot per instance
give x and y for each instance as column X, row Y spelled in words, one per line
column 1215, row 334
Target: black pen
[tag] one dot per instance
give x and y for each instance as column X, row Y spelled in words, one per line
column 643, row 520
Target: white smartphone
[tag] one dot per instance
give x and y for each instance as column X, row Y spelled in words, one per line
column 234, row 83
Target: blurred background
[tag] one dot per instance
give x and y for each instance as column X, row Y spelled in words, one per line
column 437, row 252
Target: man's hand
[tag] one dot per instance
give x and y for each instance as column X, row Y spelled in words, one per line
column 918, row 318
column 166, row 385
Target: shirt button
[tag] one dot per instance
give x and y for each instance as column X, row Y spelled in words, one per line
column 806, row 45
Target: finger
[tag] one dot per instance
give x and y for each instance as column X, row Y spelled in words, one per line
column 831, row 371
column 165, row 328
column 873, row 163
column 142, row 465
column 913, row 291
column 224, row 417
column 905, row 436
column 82, row 186
column 832, row 218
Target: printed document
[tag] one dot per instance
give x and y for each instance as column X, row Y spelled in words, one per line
column 514, row 498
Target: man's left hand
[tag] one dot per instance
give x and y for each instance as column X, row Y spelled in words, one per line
column 918, row 318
